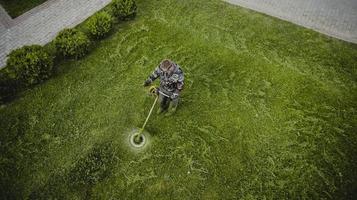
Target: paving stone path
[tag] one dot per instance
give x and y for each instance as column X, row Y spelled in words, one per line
column 41, row 24
column 336, row 18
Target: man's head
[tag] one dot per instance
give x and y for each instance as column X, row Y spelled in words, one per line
column 167, row 66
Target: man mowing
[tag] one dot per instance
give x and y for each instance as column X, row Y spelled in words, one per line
column 171, row 84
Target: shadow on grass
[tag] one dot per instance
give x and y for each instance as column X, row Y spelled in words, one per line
column 89, row 170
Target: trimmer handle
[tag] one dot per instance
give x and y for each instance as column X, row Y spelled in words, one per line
column 153, row 90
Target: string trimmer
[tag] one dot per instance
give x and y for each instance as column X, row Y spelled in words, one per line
column 138, row 137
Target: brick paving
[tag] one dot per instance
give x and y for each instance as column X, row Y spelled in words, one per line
column 336, row 18
column 41, row 24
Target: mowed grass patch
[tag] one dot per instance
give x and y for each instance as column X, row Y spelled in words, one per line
column 268, row 111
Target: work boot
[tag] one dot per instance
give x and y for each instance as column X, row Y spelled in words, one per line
column 159, row 111
column 171, row 110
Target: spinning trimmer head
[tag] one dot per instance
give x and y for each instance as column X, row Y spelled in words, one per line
column 138, row 139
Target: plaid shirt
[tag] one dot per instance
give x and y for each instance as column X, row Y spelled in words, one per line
column 169, row 84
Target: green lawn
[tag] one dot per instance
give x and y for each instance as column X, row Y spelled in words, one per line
column 16, row 8
column 268, row 112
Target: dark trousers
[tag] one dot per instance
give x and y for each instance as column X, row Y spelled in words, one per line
column 165, row 101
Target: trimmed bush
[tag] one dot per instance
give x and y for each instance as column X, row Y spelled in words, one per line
column 99, row 24
column 71, row 43
column 8, row 86
column 124, row 9
column 28, row 65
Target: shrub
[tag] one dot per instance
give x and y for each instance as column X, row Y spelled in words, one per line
column 28, row 65
column 71, row 43
column 124, row 9
column 99, row 24
column 8, row 86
